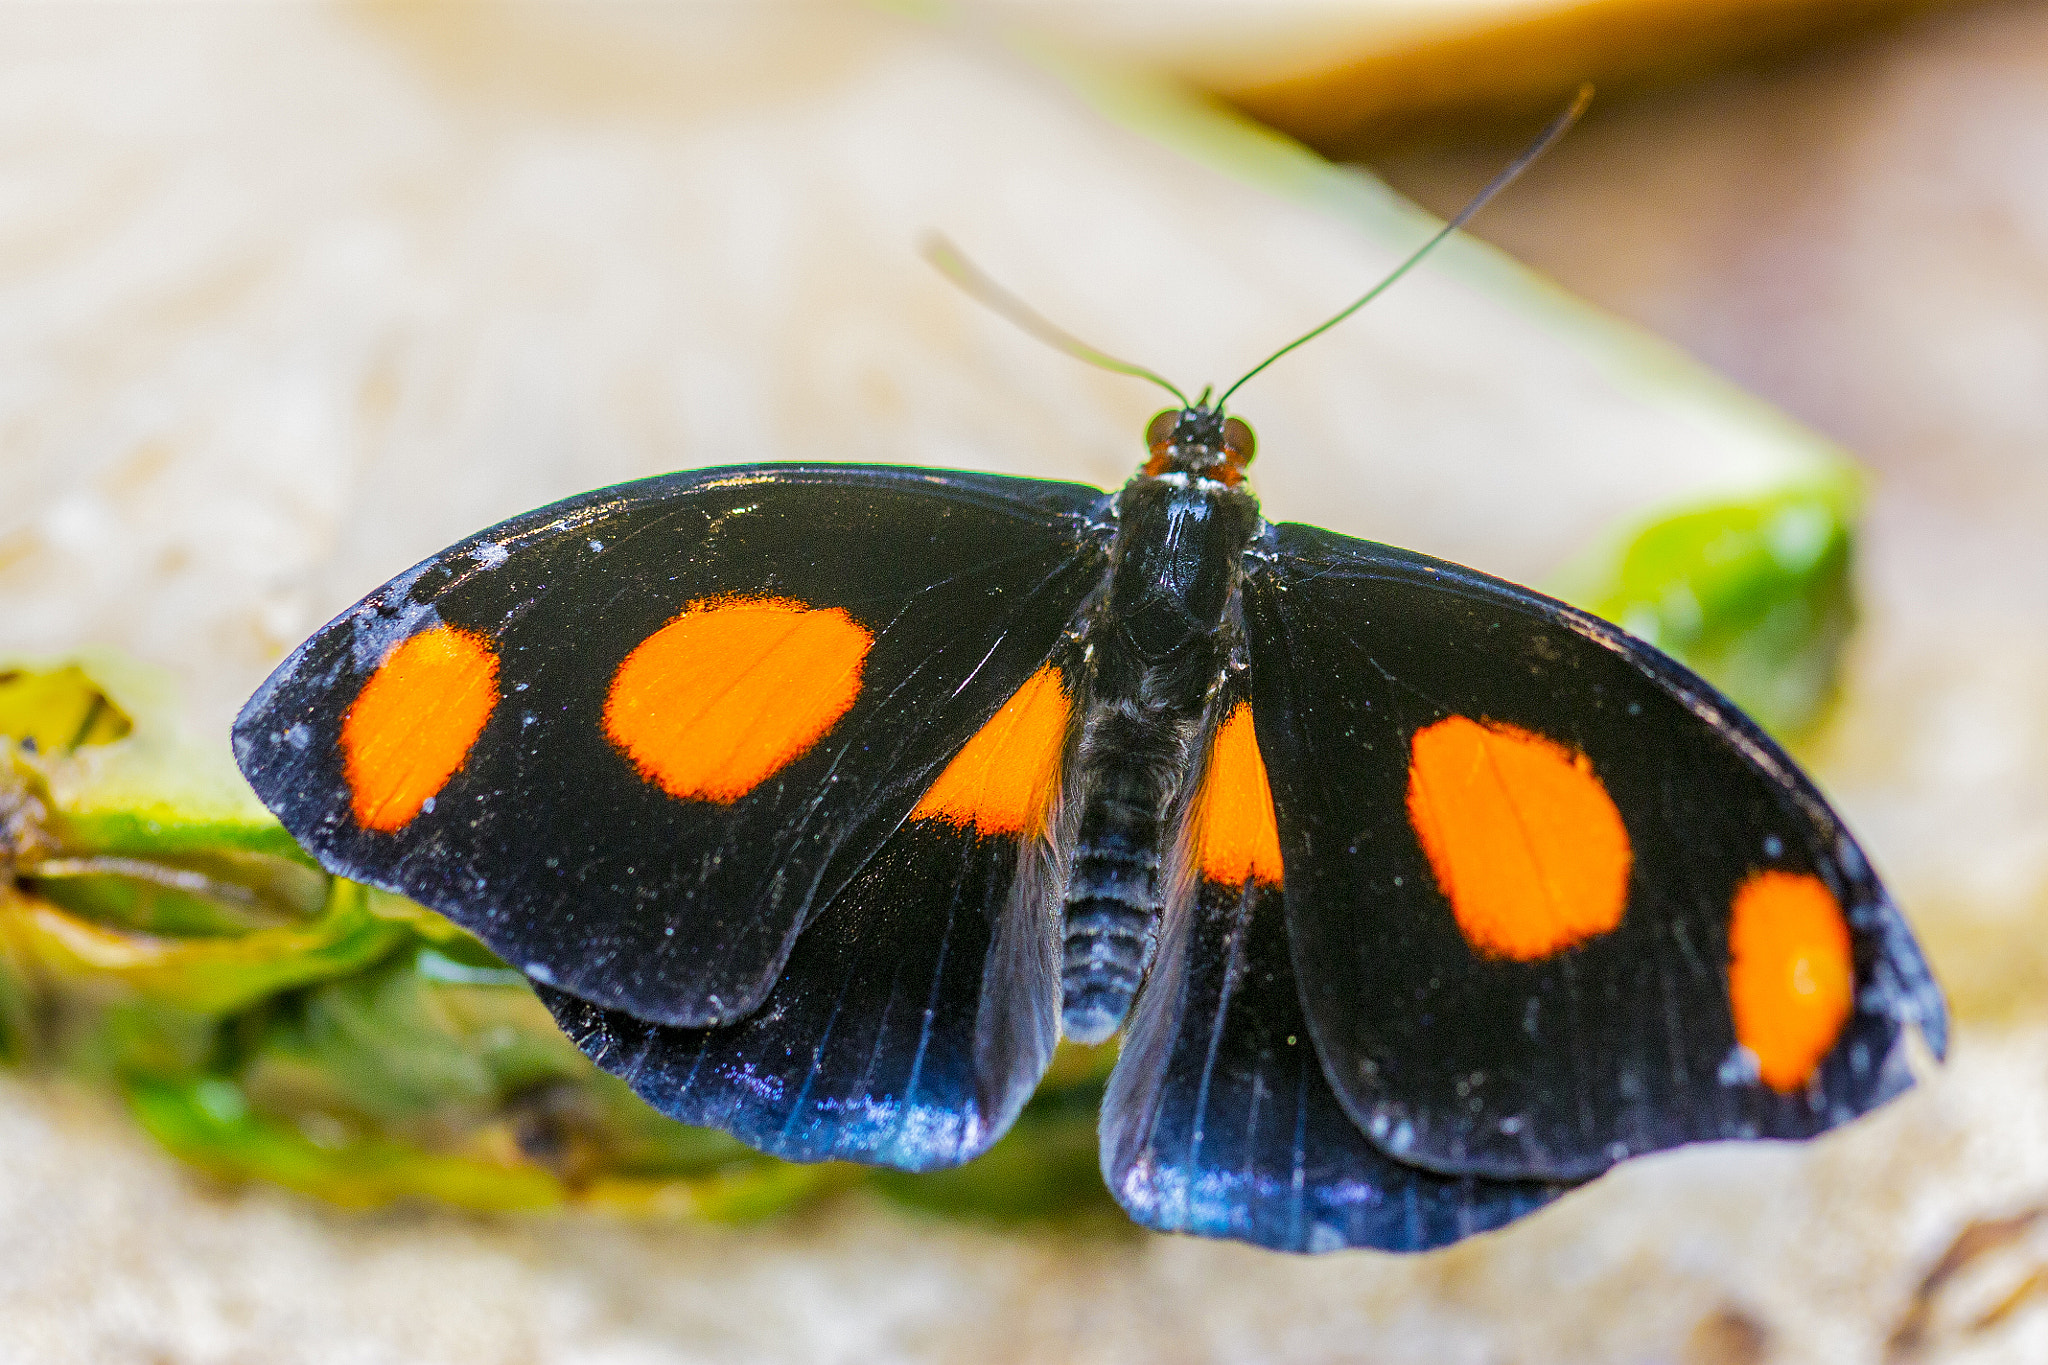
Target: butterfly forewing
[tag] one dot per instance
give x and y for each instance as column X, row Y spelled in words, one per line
column 1551, row 900
column 637, row 740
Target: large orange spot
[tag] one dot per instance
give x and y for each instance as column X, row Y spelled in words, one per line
column 1523, row 838
column 732, row 691
column 1236, row 837
column 1791, row 981
column 413, row 723
column 1002, row 781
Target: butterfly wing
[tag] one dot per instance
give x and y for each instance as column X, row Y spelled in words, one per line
column 919, row 1010
column 1218, row 1119
column 637, row 740
column 1551, row 900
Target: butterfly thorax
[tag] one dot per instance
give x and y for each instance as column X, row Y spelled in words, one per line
column 1157, row 641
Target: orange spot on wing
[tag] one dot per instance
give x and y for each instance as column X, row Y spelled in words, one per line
column 1002, row 782
column 1523, row 838
column 413, row 723
column 1236, row 836
column 733, row 691
column 1791, row 980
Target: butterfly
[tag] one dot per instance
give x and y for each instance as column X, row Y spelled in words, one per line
column 819, row 802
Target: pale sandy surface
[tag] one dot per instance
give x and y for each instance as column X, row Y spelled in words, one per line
column 288, row 299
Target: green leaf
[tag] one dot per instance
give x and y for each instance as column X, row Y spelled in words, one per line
column 205, row 976
column 1755, row 595
column 211, row 1123
column 149, row 790
column 58, row 710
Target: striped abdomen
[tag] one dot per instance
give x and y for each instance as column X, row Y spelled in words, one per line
column 1131, row 762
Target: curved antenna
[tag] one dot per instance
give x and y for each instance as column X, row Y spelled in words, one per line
column 949, row 262
column 1556, row 129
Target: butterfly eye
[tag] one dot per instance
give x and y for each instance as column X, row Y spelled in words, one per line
column 1160, row 429
column 1239, row 441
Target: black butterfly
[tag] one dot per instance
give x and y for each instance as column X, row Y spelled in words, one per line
column 818, row 802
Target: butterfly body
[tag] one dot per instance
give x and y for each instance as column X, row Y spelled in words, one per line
column 1155, row 647
column 819, row 802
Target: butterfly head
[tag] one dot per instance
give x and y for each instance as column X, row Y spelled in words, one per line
column 1199, row 440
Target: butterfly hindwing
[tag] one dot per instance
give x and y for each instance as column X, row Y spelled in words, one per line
column 1552, row 901
column 637, row 740
column 887, row 1038
column 1219, row 1120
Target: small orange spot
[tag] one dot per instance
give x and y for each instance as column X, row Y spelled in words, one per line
column 733, row 691
column 1236, row 836
column 1523, row 838
column 413, row 723
column 1791, row 981
column 1002, row 782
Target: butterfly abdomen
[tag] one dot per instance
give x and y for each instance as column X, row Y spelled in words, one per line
column 1157, row 644
column 1131, row 760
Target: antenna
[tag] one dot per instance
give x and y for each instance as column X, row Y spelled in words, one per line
column 955, row 266
column 1556, row 129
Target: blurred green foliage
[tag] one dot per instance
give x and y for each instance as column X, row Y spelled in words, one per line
column 1753, row 594
column 267, row 1021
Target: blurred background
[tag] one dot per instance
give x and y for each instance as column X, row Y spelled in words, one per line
column 292, row 296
